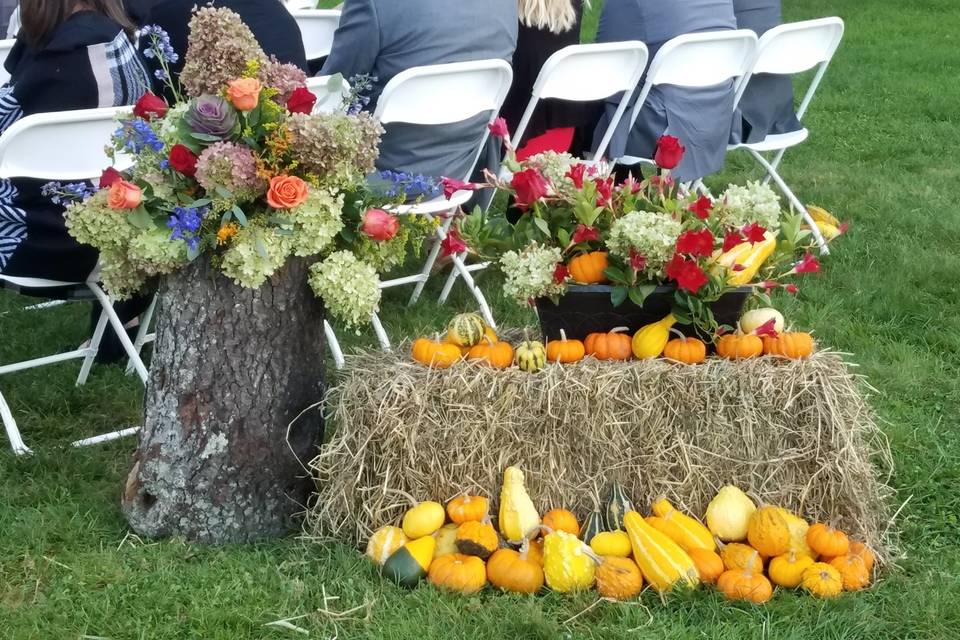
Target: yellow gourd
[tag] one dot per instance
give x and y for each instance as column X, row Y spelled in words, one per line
column 798, row 534
column 787, row 570
column 446, row 537
column 423, row 519
column 611, row 543
column 384, row 542
column 650, row 341
column 756, row 318
column 728, row 514
column 662, row 561
column 518, row 516
column 752, row 260
column 567, row 565
column 767, row 532
column 688, row 532
column 819, row 214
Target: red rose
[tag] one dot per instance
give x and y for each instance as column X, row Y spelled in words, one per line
column 530, row 185
column 702, row 207
column 695, row 243
column 183, row 160
column 108, row 177
column 576, row 174
column 380, row 225
column 150, row 106
column 669, row 152
column 686, row 273
column 499, row 128
column 301, row 101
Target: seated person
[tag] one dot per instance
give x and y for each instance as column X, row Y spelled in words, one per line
column 381, row 38
column 271, row 24
column 700, row 118
column 766, row 106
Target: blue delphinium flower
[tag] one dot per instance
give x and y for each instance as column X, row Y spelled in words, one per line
column 399, row 183
column 184, row 224
column 357, row 100
column 136, row 135
column 160, row 47
column 64, row 194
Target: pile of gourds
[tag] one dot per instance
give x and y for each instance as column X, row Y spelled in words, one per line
column 760, row 332
column 743, row 550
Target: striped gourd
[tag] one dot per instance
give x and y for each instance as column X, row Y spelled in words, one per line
column 466, row 329
column 592, row 526
column 618, row 505
column 663, row 563
column 688, row 532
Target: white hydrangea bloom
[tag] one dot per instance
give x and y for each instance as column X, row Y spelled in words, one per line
column 753, row 202
column 652, row 235
column 350, row 288
column 529, row 274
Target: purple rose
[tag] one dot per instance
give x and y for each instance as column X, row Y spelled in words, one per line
column 212, row 115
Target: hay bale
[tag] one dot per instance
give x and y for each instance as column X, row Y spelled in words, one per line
column 794, row 433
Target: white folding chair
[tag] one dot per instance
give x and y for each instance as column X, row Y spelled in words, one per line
column 5, row 46
column 317, row 27
column 695, row 61
column 296, row 5
column 330, row 91
column 789, row 49
column 13, row 27
column 32, row 148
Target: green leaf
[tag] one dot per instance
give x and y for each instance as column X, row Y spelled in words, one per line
column 618, row 295
column 196, row 204
column 638, row 295
column 335, row 83
column 261, row 248
column 193, row 253
column 563, row 236
column 227, row 217
column 141, row 219
column 542, row 225
column 615, row 275
column 240, row 215
column 205, row 137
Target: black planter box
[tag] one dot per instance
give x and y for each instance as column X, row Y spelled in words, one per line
column 587, row 309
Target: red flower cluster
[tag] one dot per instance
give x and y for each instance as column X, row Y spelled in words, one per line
column 604, row 191
column 560, row 273
column 575, row 173
column 451, row 186
column 108, row 177
column 499, row 128
column 754, row 233
column 809, row 264
column 696, row 243
column 583, row 233
column 530, row 185
column 686, row 273
column 732, row 239
column 453, row 243
column 702, row 207
column 637, row 262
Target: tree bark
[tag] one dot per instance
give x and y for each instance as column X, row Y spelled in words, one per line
column 231, row 369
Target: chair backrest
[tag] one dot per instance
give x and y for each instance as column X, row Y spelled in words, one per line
column 13, row 27
column 796, row 47
column 588, row 72
column 294, row 5
column 5, row 46
column 330, row 92
column 65, row 145
column 317, row 27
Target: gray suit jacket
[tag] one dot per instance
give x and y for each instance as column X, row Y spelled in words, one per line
column 767, row 104
column 385, row 37
column 700, row 118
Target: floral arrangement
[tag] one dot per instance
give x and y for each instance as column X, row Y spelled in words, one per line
column 238, row 169
column 643, row 234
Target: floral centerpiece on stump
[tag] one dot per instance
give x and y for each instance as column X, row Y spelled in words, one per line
column 575, row 224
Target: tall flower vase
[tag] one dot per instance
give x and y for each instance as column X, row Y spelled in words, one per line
column 232, row 369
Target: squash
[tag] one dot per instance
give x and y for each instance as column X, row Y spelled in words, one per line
column 592, row 526
column 756, row 318
column 531, row 356
column 534, row 550
column 798, row 533
column 498, row 355
column 740, row 556
column 819, row 214
column 514, row 571
column 609, row 346
column 384, row 542
column 650, row 341
column 752, row 261
column 589, row 267
column 663, row 563
column 618, row 578
column 490, row 334
column 423, row 519
column 787, row 570
column 853, row 572
column 561, row 520
column 767, row 532
column 565, row 351
column 567, row 564
column 745, row 585
column 685, row 350
column 828, row 541
column 736, row 346
column 611, row 543
column 864, row 552
column 682, row 529
column 728, row 514
column 794, row 346
column 465, row 507
column 435, row 354
column 822, row 580
column 618, row 505
column 709, row 564
column 518, row 517
column 460, row 573
column 408, row 564
column 477, row 539
column 466, row 329
column 446, row 537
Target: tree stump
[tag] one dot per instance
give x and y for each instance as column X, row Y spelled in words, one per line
column 231, row 369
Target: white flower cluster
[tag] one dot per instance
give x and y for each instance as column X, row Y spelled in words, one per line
column 552, row 165
column 754, row 202
column 652, row 235
column 254, row 255
column 317, row 222
column 349, row 288
column 529, row 274
column 154, row 253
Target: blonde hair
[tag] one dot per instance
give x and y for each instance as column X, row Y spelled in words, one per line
column 556, row 16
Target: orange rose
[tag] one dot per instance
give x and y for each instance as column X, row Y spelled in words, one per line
column 286, row 192
column 124, row 195
column 244, row 93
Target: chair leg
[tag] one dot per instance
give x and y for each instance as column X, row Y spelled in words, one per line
column 106, row 437
column 451, row 280
column 477, row 294
column 13, row 433
column 794, row 201
column 431, row 260
column 334, row 345
column 381, row 332
column 143, row 331
column 117, row 325
column 94, row 347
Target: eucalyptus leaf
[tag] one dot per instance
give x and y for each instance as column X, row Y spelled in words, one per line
column 261, row 248
column 335, row 83
column 223, row 192
column 193, row 252
column 205, row 137
column 196, row 204
column 240, row 215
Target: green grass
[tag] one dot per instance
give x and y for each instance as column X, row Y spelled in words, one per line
column 884, row 153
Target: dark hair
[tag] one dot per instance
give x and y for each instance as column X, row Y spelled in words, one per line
column 40, row 18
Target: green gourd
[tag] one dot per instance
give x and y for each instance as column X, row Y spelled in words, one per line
column 592, row 526
column 618, row 505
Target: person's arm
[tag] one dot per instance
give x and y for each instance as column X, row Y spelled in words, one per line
column 357, row 41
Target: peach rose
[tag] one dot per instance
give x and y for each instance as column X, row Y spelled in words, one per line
column 244, row 93
column 286, row 192
column 124, row 195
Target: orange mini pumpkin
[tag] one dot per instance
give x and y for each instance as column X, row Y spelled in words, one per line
column 515, row 571
column 862, row 550
column 465, row 507
column 739, row 584
column 853, row 572
column 561, row 520
column 614, row 345
column 457, row 572
column 735, row 346
column 789, row 345
column 827, row 541
column 498, row 355
column 565, row 351
column 709, row 564
column 684, row 349
column 618, row 578
column 740, row 556
column 477, row 539
column 589, row 267
column 435, row 353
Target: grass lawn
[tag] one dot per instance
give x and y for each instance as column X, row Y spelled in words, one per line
column 884, row 151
